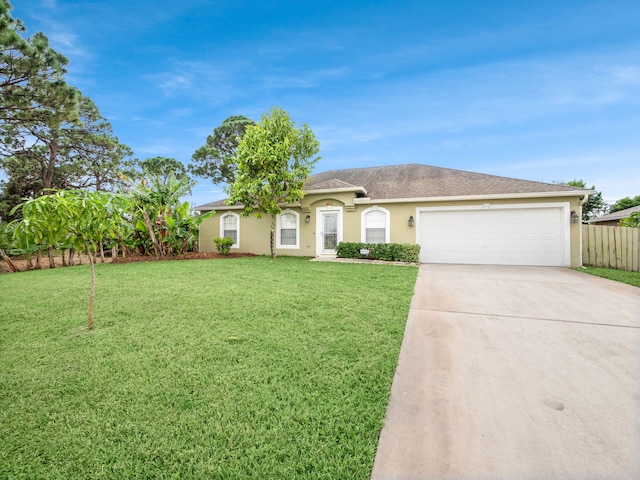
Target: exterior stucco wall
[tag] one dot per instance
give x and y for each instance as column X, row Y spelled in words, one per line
column 254, row 233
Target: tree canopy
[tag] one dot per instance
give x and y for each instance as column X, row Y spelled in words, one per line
column 625, row 203
column 595, row 204
column 30, row 72
column 160, row 167
column 51, row 136
column 632, row 221
column 274, row 158
column 216, row 158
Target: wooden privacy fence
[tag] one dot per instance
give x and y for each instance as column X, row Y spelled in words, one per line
column 611, row 247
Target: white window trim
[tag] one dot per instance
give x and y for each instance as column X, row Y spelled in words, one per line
column 363, row 223
column 222, row 217
column 278, row 223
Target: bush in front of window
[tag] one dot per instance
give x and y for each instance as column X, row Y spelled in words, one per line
column 223, row 245
column 389, row 252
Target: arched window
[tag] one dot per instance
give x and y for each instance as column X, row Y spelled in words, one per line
column 230, row 227
column 375, row 225
column 288, row 230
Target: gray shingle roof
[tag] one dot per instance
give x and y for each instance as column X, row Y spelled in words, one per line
column 620, row 214
column 421, row 181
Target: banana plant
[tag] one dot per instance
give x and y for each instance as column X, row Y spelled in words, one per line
column 159, row 216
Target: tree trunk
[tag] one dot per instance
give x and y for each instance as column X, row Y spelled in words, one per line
column 72, row 252
column 273, row 236
column 6, row 258
column 47, row 179
column 156, row 246
column 64, row 261
column 101, row 253
column 52, row 260
column 38, row 259
column 29, row 262
column 93, row 290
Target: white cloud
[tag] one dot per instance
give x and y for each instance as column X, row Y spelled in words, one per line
column 628, row 74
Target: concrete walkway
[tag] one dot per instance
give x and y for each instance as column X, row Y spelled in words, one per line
column 515, row 373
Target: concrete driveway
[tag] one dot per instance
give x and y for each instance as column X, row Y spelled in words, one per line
column 515, row 373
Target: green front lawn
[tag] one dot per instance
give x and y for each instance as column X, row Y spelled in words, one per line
column 632, row 278
column 234, row 368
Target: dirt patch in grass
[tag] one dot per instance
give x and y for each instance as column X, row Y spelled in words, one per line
column 21, row 263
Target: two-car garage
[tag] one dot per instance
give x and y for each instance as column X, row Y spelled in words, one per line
column 496, row 234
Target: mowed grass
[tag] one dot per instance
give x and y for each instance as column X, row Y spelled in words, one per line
column 632, row 278
column 230, row 369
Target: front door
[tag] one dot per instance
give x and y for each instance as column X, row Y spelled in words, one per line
column 329, row 232
column 329, row 228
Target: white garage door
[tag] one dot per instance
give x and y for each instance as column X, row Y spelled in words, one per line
column 495, row 235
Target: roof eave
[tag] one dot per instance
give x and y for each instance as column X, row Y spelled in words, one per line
column 492, row 196
column 239, row 207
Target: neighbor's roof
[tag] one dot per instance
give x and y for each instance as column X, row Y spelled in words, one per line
column 412, row 181
column 619, row 215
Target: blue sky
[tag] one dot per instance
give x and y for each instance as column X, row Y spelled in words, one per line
column 540, row 90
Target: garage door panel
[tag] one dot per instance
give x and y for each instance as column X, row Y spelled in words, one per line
column 502, row 236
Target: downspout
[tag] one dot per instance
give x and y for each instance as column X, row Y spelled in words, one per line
column 582, row 202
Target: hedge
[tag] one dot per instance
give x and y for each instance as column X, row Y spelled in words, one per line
column 390, row 252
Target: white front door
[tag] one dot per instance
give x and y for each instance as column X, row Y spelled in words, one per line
column 329, row 229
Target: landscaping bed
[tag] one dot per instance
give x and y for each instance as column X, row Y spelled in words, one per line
column 21, row 262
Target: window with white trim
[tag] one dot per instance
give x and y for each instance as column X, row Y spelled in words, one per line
column 230, row 227
column 375, row 225
column 288, row 230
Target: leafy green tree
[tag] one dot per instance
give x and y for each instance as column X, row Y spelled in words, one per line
column 81, row 218
column 160, row 167
column 40, row 225
column 595, row 204
column 93, row 153
column 73, row 148
column 216, row 158
column 625, row 203
column 23, row 181
column 162, row 222
column 274, row 159
column 51, row 137
column 6, row 243
column 632, row 221
column 30, row 71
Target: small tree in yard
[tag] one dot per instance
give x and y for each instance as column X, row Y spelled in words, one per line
column 274, row 159
column 82, row 219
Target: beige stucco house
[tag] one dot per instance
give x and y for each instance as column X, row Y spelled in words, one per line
column 455, row 216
